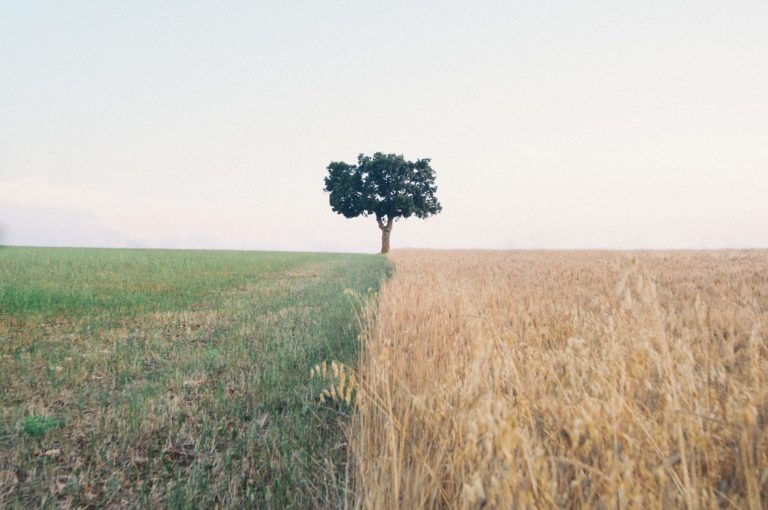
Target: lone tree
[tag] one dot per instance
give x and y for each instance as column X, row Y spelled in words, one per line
column 385, row 185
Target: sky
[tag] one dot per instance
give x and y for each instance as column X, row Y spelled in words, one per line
column 604, row 124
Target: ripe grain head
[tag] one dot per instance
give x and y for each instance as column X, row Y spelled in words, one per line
column 576, row 379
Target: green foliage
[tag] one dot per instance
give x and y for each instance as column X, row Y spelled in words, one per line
column 182, row 376
column 37, row 426
column 72, row 282
column 384, row 185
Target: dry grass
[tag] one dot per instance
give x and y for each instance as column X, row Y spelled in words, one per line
column 567, row 379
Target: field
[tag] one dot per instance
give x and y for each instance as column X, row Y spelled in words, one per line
column 566, row 380
column 136, row 378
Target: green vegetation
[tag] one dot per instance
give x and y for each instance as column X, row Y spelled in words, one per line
column 384, row 185
column 173, row 378
column 37, row 426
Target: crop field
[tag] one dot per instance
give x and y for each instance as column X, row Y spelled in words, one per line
column 146, row 378
column 566, row 380
column 201, row 379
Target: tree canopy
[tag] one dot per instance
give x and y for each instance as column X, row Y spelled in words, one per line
column 384, row 185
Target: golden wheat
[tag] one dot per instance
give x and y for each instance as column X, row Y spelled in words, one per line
column 566, row 379
column 341, row 380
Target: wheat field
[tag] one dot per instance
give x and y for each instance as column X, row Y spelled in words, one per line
column 566, row 380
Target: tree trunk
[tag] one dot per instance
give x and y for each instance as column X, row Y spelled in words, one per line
column 385, row 240
column 386, row 228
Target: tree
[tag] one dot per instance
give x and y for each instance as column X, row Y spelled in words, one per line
column 384, row 185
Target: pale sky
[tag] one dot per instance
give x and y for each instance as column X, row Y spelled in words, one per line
column 550, row 124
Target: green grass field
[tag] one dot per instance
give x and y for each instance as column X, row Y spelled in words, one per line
column 135, row 378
